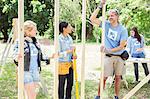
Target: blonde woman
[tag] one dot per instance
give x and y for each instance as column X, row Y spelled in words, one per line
column 32, row 59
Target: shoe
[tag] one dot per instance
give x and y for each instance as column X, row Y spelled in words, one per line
column 97, row 97
column 135, row 82
column 116, row 97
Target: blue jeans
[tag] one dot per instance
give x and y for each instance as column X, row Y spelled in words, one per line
column 136, row 72
column 138, row 55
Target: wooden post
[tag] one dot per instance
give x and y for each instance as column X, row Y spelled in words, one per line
column 102, row 54
column 83, row 49
column 15, row 36
column 15, row 28
column 56, row 31
column 137, row 87
column 21, row 49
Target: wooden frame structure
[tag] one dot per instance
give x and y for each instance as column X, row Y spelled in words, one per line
column 56, row 29
column 21, row 49
column 56, row 34
column 83, row 49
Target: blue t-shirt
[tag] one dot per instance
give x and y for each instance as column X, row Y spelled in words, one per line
column 114, row 35
column 133, row 44
column 65, row 43
column 34, row 56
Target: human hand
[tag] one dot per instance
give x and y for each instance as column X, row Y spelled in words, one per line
column 55, row 55
column 74, row 57
column 139, row 49
column 103, row 2
column 103, row 49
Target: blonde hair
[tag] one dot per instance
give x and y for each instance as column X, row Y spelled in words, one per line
column 28, row 26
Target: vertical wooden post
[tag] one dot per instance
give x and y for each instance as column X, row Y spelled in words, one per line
column 83, row 49
column 15, row 36
column 56, row 31
column 15, row 28
column 21, row 49
column 102, row 54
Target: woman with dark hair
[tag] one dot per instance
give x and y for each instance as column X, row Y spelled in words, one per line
column 135, row 45
column 65, row 70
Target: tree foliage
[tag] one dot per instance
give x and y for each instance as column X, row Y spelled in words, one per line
column 132, row 13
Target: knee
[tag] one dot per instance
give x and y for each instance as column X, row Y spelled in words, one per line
column 105, row 78
column 117, row 77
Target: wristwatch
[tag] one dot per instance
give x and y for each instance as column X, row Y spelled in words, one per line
column 100, row 6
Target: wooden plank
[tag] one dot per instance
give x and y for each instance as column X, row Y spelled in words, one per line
column 139, row 60
column 137, row 87
column 15, row 28
column 21, row 49
column 56, row 34
column 102, row 54
column 83, row 49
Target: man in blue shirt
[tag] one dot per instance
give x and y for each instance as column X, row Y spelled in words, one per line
column 115, row 41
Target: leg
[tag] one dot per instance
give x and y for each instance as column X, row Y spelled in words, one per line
column 30, row 90
column 29, row 85
column 61, row 86
column 145, row 68
column 119, row 68
column 105, row 78
column 69, row 83
column 136, row 72
column 108, row 71
column 117, row 84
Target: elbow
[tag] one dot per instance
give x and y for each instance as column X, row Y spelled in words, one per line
column 91, row 19
column 121, row 47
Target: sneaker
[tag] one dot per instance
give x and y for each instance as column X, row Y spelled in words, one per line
column 116, row 97
column 149, row 82
column 97, row 97
column 135, row 82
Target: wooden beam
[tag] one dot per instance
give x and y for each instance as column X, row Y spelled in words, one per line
column 102, row 54
column 15, row 28
column 137, row 87
column 83, row 49
column 21, row 49
column 56, row 34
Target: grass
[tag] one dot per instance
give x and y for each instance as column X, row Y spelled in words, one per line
column 8, row 89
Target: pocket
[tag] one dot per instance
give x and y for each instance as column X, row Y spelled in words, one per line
column 124, row 55
column 142, row 55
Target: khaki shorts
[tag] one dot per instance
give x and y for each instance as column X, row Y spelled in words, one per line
column 114, row 65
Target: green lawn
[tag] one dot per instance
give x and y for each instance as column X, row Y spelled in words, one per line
column 8, row 87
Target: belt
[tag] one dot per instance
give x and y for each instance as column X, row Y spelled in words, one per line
column 110, row 55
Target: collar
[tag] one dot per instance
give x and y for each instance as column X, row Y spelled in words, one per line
column 63, row 37
column 29, row 39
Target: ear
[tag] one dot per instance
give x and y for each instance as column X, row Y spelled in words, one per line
column 64, row 29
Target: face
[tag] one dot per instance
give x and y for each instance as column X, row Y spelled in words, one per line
column 32, row 32
column 132, row 33
column 69, row 29
column 112, row 17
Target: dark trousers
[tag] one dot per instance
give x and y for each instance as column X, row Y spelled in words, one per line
column 146, row 71
column 62, row 79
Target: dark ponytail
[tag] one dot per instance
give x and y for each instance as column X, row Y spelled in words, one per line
column 62, row 25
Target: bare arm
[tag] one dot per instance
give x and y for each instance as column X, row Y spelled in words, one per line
column 120, row 47
column 94, row 18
